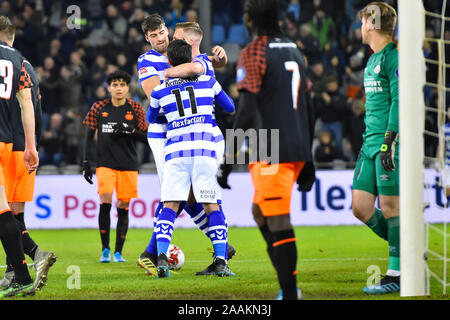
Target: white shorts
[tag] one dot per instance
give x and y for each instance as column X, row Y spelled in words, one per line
column 180, row 173
column 220, row 146
column 157, row 147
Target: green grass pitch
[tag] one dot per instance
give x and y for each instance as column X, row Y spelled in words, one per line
column 333, row 265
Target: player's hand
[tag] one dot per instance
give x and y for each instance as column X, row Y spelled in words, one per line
column 220, row 56
column 87, row 171
column 122, row 128
column 388, row 150
column 307, row 177
column 222, row 175
column 31, row 159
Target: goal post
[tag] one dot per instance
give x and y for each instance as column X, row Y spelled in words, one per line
column 411, row 122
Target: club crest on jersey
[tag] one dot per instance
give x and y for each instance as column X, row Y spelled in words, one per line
column 105, row 114
column 377, row 69
column 129, row 116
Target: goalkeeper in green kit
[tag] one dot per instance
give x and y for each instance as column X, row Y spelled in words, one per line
column 377, row 173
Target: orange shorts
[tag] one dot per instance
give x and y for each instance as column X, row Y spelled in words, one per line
column 273, row 186
column 124, row 182
column 19, row 183
column 5, row 153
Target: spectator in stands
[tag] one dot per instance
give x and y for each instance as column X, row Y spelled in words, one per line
column 114, row 27
column 354, row 76
column 174, row 14
column 307, row 43
column 97, row 71
column 52, row 142
column 331, row 106
column 318, row 79
column 191, row 15
column 48, row 86
column 326, row 151
column 323, row 28
column 123, row 63
column 73, row 134
column 154, row 6
column 355, row 126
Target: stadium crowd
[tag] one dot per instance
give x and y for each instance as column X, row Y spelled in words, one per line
column 72, row 58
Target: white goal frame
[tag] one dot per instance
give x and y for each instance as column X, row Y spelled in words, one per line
column 411, row 123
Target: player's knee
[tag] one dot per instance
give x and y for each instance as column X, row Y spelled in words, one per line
column 106, row 198
column 389, row 208
column 361, row 212
column 210, row 207
column 279, row 223
column 123, row 203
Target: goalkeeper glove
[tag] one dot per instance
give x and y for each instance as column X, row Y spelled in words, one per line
column 307, row 177
column 222, row 175
column 388, row 150
column 122, row 128
column 87, row 171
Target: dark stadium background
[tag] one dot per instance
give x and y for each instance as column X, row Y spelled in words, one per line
column 72, row 64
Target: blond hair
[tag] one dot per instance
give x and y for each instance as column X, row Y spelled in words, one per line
column 7, row 29
column 382, row 15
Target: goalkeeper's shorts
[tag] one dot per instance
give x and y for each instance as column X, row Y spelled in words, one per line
column 370, row 176
column 273, row 186
column 19, row 184
column 124, row 182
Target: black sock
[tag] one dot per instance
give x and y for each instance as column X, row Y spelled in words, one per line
column 104, row 224
column 267, row 235
column 29, row 246
column 121, row 229
column 285, row 258
column 12, row 243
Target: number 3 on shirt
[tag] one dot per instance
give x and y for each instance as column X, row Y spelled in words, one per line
column 192, row 100
column 293, row 67
column 7, row 72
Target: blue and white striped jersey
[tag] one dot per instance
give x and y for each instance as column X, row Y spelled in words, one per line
column 206, row 63
column 188, row 105
column 153, row 63
column 209, row 71
column 447, row 144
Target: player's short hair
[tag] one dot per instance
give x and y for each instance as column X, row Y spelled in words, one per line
column 7, row 29
column 184, row 25
column 179, row 52
column 382, row 15
column 152, row 22
column 192, row 28
column 118, row 75
column 264, row 15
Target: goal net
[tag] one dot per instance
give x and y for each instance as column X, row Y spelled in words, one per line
column 437, row 152
column 424, row 76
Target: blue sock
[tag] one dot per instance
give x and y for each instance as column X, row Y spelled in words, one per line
column 218, row 233
column 152, row 248
column 164, row 229
column 198, row 216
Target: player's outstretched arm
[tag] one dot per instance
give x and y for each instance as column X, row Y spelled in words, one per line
column 224, row 101
column 31, row 157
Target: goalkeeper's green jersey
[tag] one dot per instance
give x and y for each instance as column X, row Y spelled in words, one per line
column 381, row 86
